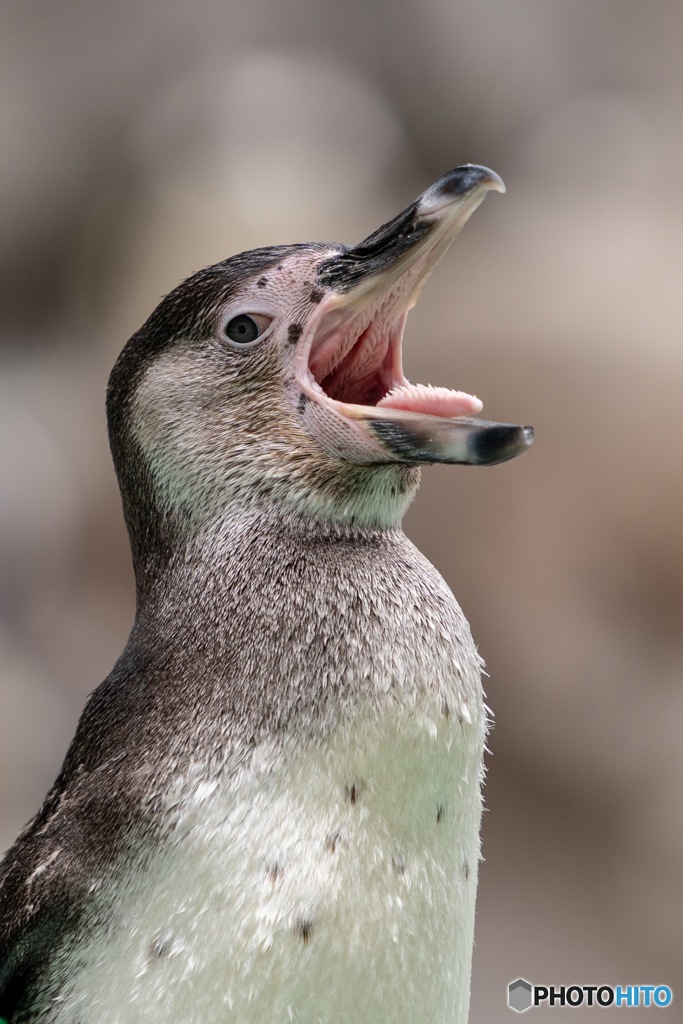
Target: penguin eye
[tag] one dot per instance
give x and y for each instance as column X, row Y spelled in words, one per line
column 245, row 328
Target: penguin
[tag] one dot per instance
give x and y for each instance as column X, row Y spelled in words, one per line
column 270, row 811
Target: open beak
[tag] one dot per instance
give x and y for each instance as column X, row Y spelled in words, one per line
column 349, row 359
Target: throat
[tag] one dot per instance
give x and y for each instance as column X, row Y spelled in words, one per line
column 250, row 603
column 373, row 497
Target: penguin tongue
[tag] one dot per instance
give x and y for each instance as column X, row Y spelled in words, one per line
column 423, row 398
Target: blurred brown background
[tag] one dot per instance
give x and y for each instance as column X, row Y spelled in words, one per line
column 142, row 139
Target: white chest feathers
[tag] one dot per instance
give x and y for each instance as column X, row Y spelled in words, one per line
column 319, row 883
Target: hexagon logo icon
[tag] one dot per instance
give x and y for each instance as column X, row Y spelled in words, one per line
column 519, row 995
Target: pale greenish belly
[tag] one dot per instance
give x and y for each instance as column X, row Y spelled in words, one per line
column 334, row 883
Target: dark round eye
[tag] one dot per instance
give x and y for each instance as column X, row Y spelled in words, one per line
column 243, row 329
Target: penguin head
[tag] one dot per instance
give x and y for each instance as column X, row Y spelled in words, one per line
column 275, row 377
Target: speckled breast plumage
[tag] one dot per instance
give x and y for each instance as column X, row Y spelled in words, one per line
column 326, row 872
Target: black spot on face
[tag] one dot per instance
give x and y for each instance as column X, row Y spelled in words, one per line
column 303, row 401
column 439, row 812
column 294, row 332
column 352, row 793
column 316, row 294
column 262, row 282
column 303, row 930
column 466, row 868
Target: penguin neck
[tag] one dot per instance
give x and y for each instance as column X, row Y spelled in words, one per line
column 196, row 576
column 166, row 533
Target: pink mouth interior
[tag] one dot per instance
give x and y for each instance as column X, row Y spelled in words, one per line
column 362, row 366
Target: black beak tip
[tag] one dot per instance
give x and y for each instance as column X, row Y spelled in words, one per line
column 498, row 442
column 463, row 180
